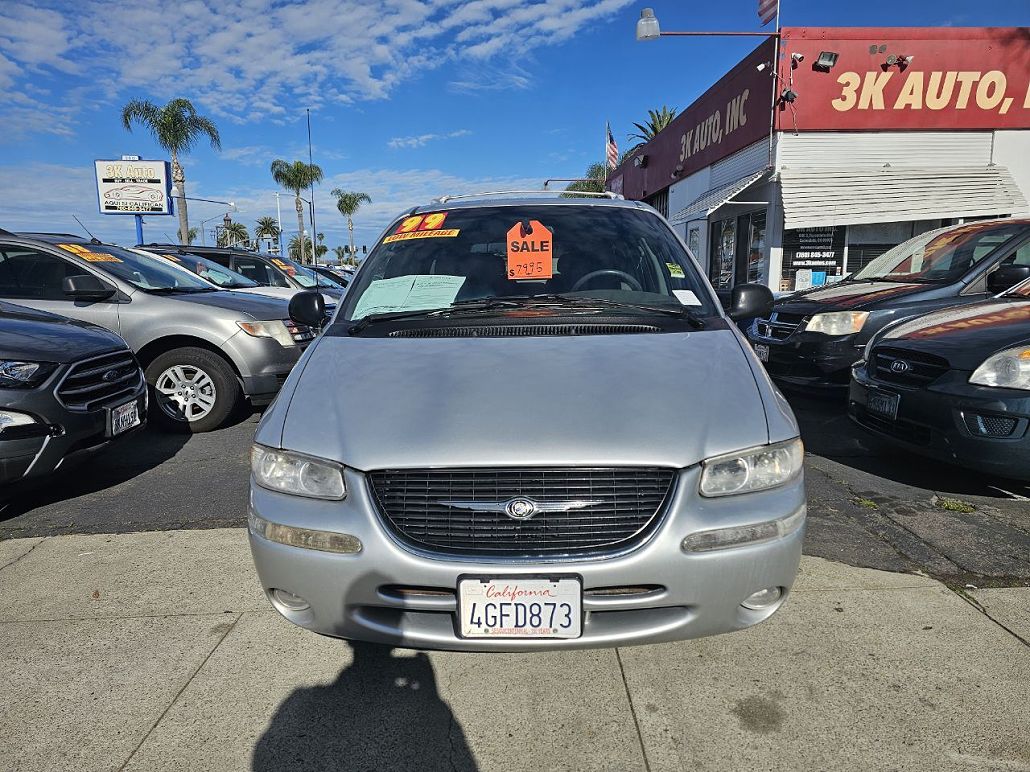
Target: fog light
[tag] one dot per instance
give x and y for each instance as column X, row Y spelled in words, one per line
column 289, row 600
column 762, row 599
column 308, row 538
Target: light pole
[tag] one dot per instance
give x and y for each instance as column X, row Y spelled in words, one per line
column 203, row 233
column 649, row 29
column 279, row 218
column 230, row 204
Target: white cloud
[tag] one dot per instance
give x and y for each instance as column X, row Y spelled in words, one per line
column 242, row 61
column 422, row 139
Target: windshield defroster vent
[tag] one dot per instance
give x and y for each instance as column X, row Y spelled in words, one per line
column 523, row 330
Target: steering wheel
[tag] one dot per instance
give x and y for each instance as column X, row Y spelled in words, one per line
column 630, row 280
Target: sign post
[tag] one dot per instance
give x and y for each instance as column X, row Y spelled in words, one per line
column 134, row 186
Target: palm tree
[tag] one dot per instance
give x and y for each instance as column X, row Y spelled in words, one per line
column 297, row 176
column 191, row 235
column 656, row 121
column 234, row 234
column 348, row 202
column 177, row 128
column 592, row 182
column 341, row 254
column 267, row 228
column 296, row 250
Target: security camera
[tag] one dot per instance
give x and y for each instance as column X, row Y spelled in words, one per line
column 796, row 57
column 761, row 67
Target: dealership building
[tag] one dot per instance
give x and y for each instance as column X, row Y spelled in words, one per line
column 812, row 157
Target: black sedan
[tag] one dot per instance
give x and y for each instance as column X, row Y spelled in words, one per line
column 953, row 385
column 814, row 336
column 67, row 389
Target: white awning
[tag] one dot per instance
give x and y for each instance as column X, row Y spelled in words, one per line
column 708, row 202
column 849, row 196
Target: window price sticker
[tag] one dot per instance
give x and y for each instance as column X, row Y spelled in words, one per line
column 530, row 251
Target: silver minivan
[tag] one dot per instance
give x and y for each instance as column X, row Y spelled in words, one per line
column 204, row 351
column 529, row 425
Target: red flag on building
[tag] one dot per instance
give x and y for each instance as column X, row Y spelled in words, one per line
column 767, row 10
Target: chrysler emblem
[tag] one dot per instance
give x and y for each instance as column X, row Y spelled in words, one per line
column 900, row 366
column 522, row 508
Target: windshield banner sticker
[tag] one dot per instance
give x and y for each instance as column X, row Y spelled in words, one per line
column 530, row 251
column 88, row 255
column 422, row 226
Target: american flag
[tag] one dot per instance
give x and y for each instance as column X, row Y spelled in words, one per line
column 611, row 149
column 767, row 10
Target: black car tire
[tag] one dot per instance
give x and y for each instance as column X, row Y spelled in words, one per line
column 227, row 392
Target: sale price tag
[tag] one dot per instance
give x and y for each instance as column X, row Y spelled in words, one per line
column 530, row 251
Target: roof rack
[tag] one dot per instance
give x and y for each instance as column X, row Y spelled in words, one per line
column 606, row 194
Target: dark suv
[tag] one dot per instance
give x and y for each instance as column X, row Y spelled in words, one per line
column 812, row 337
column 67, row 388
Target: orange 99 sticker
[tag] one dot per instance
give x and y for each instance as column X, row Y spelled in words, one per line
column 422, row 226
column 530, row 251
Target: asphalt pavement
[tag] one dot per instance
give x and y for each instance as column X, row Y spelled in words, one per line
column 869, row 506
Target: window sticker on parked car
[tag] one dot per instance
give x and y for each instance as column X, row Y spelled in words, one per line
column 686, row 297
column 422, row 226
column 89, row 255
column 530, row 251
column 408, row 293
column 675, row 270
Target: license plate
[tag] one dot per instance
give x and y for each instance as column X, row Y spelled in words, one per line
column 762, row 352
column 514, row 607
column 883, row 403
column 124, row 417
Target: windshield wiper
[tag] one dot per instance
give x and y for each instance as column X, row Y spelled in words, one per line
column 683, row 312
column 177, row 290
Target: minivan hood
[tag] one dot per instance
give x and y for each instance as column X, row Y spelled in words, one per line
column 846, row 296
column 258, row 307
column 38, row 336
column 964, row 335
column 667, row 399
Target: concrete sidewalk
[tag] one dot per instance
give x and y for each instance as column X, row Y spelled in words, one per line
column 157, row 651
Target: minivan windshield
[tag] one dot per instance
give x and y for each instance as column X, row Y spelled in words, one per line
column 211, row 271
column 939, row 256
column 152, row 274
column 467, row 256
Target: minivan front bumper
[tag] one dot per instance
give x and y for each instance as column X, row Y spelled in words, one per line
column 657, row 592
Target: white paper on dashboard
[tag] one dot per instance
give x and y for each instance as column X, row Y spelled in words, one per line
column 433, row 292
column 383, row 296
column 686, row 297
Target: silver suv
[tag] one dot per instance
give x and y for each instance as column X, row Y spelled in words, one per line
column 203, row 350
column 530, row 425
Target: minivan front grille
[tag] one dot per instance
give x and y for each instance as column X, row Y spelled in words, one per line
column 906, row 368
column 99, row 381
column 523, row 330
column 577, row 511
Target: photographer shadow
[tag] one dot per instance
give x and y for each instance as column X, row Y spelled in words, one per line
column 383, row 712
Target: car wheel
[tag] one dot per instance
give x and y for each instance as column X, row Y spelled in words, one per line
column 192, row 390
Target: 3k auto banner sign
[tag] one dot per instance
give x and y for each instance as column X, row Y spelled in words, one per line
column 906, row 78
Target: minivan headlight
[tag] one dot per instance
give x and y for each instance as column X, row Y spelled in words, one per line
column 275, row 329
column 297, row 474
column 1008, row 369
column 837, row 322
column 752, row 470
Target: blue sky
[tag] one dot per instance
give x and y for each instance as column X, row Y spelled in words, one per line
column 410, row 99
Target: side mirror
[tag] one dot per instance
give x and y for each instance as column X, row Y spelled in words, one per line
column 1006, row 277
column 86, row 287
column 308, row 308
column 750, row 300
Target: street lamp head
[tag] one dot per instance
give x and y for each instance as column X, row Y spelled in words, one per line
column 175, row 191
column 233, row 205
column 647, row 25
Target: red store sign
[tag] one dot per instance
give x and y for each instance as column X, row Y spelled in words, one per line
column 914, row 78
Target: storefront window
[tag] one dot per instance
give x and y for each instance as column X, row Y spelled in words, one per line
column 757, row 255
column 724, row 253
column 694, row 240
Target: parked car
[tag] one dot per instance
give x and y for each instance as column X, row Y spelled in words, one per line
column 814, row 336
column 955, row 384
column 204, row 351
column 224, row 278
column 336, row 276
column 67, row 389
column 266, row 270
column 530, row 425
